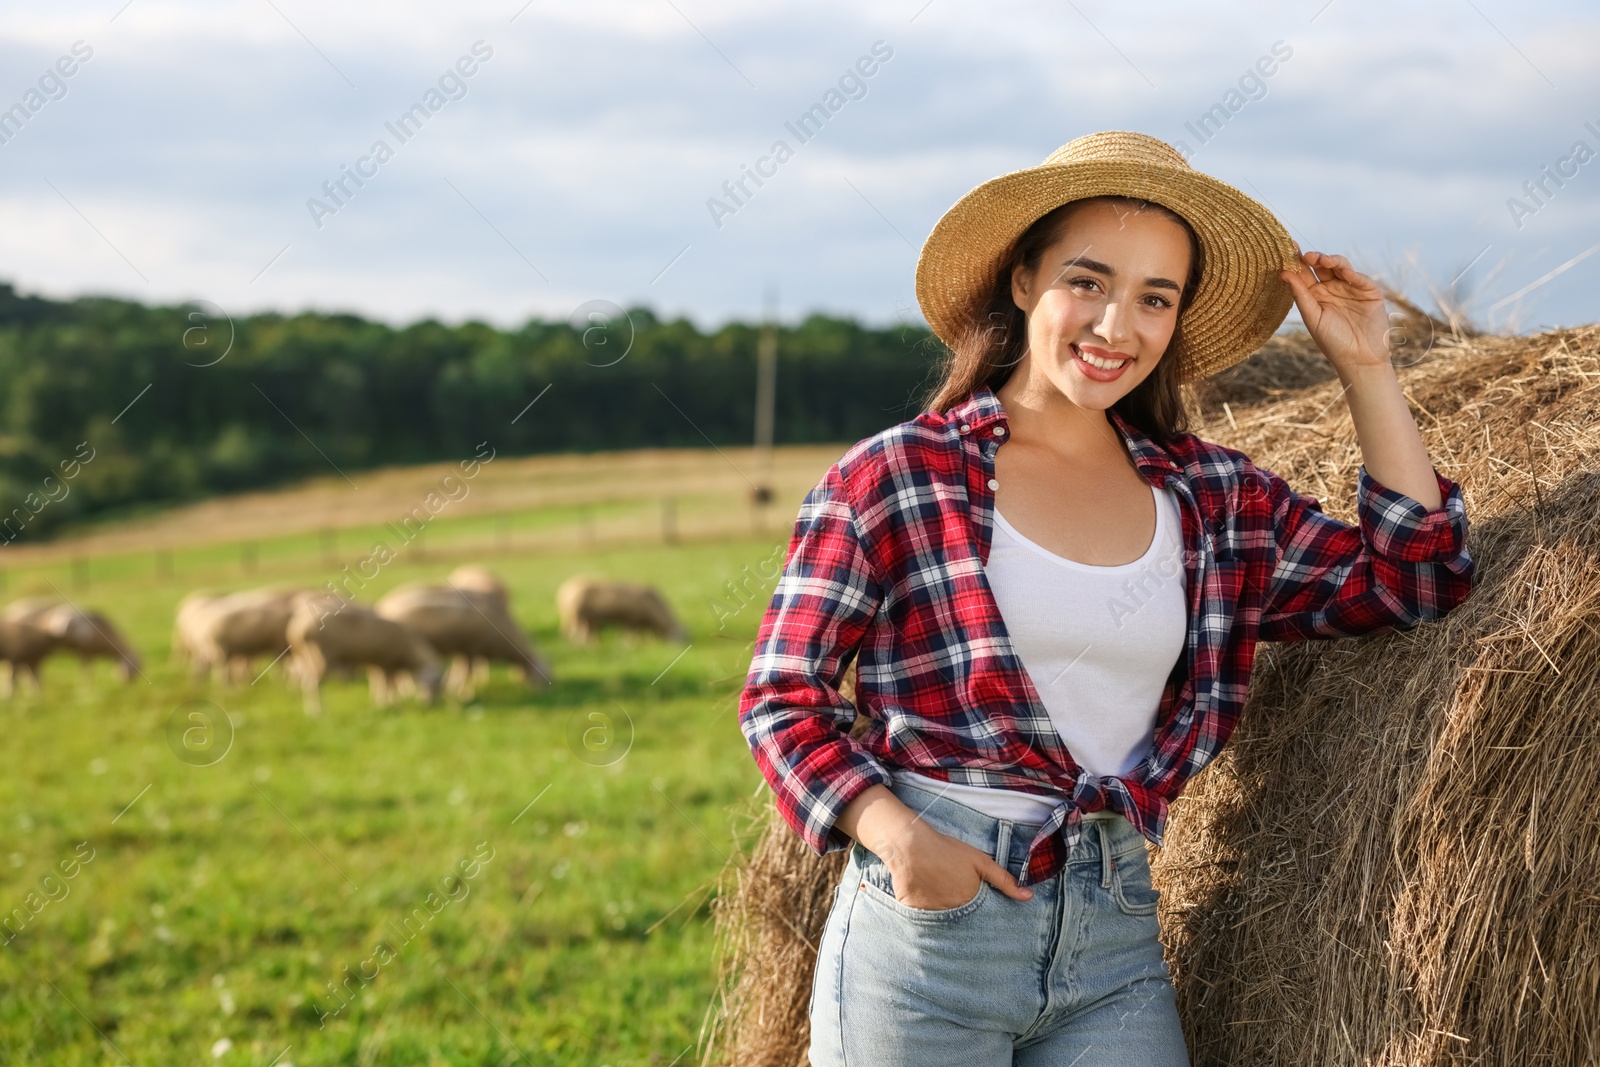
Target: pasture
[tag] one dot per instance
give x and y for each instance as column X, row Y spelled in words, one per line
column 520, row 879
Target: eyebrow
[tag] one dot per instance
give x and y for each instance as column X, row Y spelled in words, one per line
column 1105, row 268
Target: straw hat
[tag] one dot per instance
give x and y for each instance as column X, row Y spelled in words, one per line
column 1240, row 300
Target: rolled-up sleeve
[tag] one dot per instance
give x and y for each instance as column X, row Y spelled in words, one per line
column 791, row 710
column 1400, row 565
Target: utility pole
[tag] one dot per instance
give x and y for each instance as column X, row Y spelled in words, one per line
column 766, row 399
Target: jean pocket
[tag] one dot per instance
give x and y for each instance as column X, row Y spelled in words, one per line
column 877, row 885
column 1131, row 887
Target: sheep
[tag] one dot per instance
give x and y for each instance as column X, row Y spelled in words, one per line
column 586, row 604
column 30, row 608
column 224, row 634
column 476, row 578
column 470, row 627
column 327, row 634
column 91, row 635
column 23, row 645
column 186, row 646
column 33, row 628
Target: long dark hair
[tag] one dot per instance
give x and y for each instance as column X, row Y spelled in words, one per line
column 994, row 337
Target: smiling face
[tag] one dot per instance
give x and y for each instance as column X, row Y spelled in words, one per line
column 1102, row 304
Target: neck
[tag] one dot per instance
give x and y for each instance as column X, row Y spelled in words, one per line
column 1041, row 414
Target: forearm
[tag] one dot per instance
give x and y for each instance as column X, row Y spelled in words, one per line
column 875, row 818
column 1391, row 446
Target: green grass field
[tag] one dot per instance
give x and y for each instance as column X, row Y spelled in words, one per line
column 274, row 906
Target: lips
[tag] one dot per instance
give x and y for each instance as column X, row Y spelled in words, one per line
column 1094, row 373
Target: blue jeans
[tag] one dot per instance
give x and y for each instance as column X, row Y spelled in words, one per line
column 1074, row 976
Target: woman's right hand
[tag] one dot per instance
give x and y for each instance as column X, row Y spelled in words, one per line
column 930, row 870
column 934, row 871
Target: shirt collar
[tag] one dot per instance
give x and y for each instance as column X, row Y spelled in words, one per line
column 1153, row 462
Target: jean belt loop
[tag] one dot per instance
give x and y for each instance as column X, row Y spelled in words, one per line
column 1105, row 852
column 1002, row 845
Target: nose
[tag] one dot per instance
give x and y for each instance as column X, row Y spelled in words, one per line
column 1113, row 325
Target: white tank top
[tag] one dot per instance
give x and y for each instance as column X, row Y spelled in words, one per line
column 1098, row 644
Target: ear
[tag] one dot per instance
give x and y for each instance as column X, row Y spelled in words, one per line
column 1021, row 281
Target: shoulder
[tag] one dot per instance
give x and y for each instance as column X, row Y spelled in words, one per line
column 1190, row 450
column 1228, row 480
column 921, row 449
column 1206, row 459
column 1217, row 471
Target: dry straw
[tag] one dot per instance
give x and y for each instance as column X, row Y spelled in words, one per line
column 1394, row 862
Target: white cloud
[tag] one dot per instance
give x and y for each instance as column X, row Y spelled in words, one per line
column 593, row 138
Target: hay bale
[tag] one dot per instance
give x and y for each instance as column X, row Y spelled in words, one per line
column 769, row 913
column 1290, row 362
column 1393, row 861
column 1287, row 363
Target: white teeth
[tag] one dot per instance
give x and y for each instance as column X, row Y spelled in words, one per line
column 1096, row 361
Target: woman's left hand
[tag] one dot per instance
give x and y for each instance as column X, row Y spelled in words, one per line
column 1343, row 311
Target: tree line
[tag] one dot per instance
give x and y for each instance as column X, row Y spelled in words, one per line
column 147, row 405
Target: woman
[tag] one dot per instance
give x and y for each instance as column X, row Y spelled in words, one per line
column 1052, row 592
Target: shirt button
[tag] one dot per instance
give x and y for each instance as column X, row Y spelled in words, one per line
column 965, row 428
column 993, row 484
column 999, row 431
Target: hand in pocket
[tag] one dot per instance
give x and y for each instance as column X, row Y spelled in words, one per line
column 932, row 871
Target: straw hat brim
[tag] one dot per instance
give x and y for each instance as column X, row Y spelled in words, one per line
column 1239, row 303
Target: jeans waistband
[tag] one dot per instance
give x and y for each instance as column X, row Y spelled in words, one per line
column 1009, row 842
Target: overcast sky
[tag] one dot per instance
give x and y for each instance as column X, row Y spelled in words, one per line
column 576, row 162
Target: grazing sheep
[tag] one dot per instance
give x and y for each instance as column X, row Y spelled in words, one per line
column 328, row 634
column 476, row 578
column 470, row 627
column 23, row 645
column 34, row 628
column 588, row 604
column 225, row 634
column 186, row 647
column 91, row 635
column 30, row 608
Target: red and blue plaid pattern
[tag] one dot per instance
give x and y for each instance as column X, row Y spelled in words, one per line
column 886, row 564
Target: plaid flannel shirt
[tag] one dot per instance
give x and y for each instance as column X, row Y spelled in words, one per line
column 886, row 565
